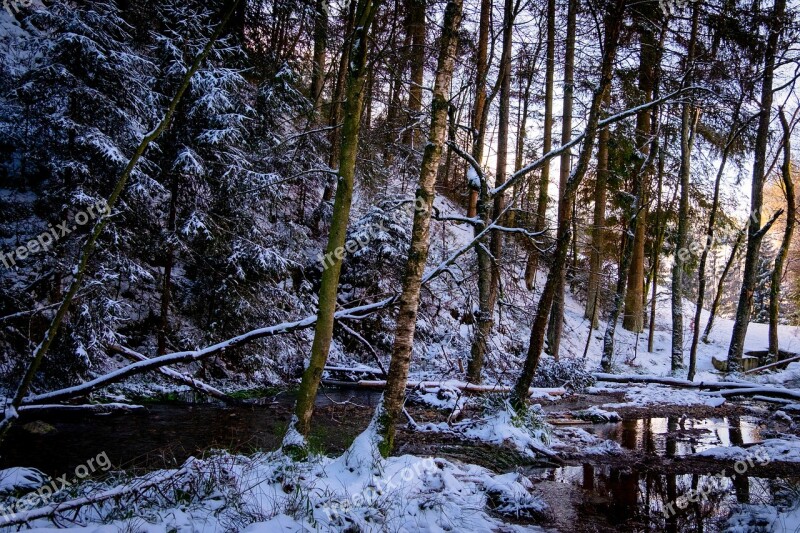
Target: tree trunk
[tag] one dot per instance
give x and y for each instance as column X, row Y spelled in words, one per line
column 777, row 273
column 526, row 81
column 598, row 225
column 504, row 120
column 755, row 232
column 564, row 202
column 661, row 230
column 336, row 103
column 712, row 219
column 420, row 237
column 478, row 111
column 547, row 139
column 721, row 284
column 613, row 23
column 416, row 28
column 688, row 126
column 633, row 317
column 489, row 260
column 320, row 49
column 166, row 285
column 353, row 106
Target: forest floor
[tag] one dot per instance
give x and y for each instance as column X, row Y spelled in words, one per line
column 611, row 457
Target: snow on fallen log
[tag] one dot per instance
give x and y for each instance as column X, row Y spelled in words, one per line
column 776, row 392
column 176, row 376
column 673, row 382
column 196, row 355
column 380, row 384
column 772, row 365
column 92, row 499
column 100, row 408
column 720, row 388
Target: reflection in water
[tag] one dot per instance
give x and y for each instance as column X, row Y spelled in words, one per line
column 679, row 436
column 636, row 501
column 168, row 434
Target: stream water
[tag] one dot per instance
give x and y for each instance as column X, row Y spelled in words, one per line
column 603, row 497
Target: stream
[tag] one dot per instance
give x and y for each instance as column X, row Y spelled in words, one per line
column 598, row 494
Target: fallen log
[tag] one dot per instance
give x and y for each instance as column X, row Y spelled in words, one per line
column 761, row 391
column 100, row 408
column 772, row 365
column 380, row 384
column 720, row 388
column 672, row 382
column 52, row 509
column 176, row 376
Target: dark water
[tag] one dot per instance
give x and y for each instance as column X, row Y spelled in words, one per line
column 168, row 434
column 637, row 497
column 599, row 497
column 625, row 499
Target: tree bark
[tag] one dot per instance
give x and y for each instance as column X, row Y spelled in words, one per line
column 688, row 126
column 547, row 142
column 166, row 284
column 613, row 23
column 598, row 225
column 633, row 317
column 504, row 120
column 394, row 396
column 320, row 49
column 416, row 27
column 754, row 231
column 556, row 324
column 336, row 103
column 353, row 107
column 661, row 227
column 712, row 219
column 479, row 107
column 780, row 260
column 489, row 259
column 721, row 284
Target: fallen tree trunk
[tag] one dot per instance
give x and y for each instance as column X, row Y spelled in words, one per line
column 176, row 376
column 761, row 391
column 114, row 493
column 100, row 408
column 772, row 365
column 461, row 385
column 721, row 388
column 672, row 382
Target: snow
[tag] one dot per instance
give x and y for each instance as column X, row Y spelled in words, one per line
column 784, row 450
column 20, row 479
column 641, row 395
column 473, row 180
column 348, row 493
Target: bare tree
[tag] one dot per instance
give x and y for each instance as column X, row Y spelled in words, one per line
column 392, row 404
column 755, row 232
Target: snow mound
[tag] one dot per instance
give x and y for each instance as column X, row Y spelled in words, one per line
column 19, row 479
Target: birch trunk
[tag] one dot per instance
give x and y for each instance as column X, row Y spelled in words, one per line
column 392, row 404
